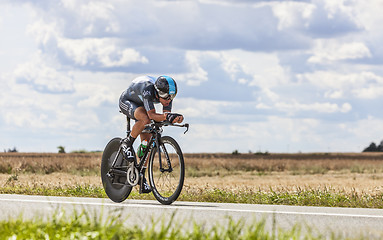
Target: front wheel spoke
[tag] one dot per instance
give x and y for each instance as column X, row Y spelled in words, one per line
column 167, row 183
column 159, row 181
column 164, row 182
column 172, row 176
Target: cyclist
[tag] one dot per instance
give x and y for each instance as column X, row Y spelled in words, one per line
column 137, row 102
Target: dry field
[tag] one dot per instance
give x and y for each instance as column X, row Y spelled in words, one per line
column 351, row 172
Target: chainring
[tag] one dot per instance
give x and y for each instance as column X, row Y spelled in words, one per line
column 132, row 175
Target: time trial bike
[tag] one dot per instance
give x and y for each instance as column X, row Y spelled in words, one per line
column 166, row 167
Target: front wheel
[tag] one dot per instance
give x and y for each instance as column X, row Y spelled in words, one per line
column 114, row 187
column 166, row 170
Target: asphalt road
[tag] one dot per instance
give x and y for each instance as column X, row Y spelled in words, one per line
column 344, row 221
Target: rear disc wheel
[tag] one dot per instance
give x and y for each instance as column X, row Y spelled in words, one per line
column 114, row 188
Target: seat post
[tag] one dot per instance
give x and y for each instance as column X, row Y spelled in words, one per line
column 127, row 126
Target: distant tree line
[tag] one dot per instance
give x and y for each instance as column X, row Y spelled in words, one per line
column 61, row 149
column 11, row 150
column 374, row 148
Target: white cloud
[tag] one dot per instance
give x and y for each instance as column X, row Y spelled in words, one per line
column 208, row 109
column 328, row 51
column 322, row 18
column 192, row 25
column 368, row 16
column 292, row 14
column 95, row 94
column 261, row 69
column 371, row 92
column 333, row 7
column 90, row 10
column 300, row 80
column 271, row 95
column 367, row 129
column 275, row 134
column 42, row 77
column 196, row 74
column 43, row 32
column 90, row 51
column 102, row 52
column 90, row 17
column 24, row 108
column 334, row 94
column 26, row 118
column 326, row 107
column 361, row 85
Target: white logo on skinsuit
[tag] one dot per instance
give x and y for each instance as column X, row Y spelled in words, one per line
column 146, row 93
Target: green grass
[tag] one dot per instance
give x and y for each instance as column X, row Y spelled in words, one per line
column 84, row 226
column 326, row 197
column 66, row 190
column 114, row 226
column 314, row 197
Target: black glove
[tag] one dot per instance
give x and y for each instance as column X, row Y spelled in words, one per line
column 171, row 116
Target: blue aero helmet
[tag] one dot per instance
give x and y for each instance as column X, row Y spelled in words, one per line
column 166, row 87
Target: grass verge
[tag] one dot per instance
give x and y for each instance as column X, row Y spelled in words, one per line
column 325, row 197
column 84, row 226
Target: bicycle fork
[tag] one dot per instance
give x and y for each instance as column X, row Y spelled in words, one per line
column 162, row 170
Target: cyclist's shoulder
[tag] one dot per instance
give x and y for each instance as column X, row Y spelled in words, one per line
column 142, row 83
column 145, row 80
column 143, row 86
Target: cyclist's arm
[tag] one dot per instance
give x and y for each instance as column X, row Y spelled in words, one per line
column 158, row 117
column 168, row 108
column 178, row 119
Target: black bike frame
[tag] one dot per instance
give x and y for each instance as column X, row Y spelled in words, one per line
column 154, row 141
column 156, row 133
column 113, row 168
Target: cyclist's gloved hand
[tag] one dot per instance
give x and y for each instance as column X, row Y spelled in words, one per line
column 172, row 116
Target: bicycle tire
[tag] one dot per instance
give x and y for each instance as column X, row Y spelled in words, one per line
column 116, row 192
column 167, row 186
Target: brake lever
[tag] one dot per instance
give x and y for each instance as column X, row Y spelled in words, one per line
column 187, row 127
column 183, row 125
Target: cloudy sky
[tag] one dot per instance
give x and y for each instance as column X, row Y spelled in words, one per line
column 277, row 76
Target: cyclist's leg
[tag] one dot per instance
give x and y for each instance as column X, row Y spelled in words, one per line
column 142, row 118
column 129, row 108
column 145, row 136
column 134, row 111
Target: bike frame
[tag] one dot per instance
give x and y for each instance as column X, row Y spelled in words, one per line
column 155, row 141
column 156, row 133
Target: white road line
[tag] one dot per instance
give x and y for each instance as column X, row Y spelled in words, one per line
column 194, row 208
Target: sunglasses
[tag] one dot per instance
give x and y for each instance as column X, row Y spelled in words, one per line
column 169, row 97
column 166, row 96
